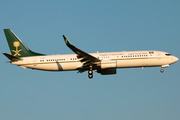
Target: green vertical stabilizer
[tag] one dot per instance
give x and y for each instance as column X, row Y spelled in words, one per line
column 17, row 47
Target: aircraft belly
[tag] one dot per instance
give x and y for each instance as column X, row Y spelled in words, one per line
column 130, row 63
column 159, row 62
column 47, row 67
column 70, row 66
column 54, row 66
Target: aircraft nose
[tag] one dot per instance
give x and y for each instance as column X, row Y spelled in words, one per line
column 176, row 59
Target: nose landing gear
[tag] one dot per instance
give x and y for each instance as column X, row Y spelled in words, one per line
column 90, row 76
column 161, row 70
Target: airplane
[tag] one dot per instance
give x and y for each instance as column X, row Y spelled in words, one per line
column 104, row 63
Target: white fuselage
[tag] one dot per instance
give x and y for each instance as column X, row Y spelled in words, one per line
column 122, row 59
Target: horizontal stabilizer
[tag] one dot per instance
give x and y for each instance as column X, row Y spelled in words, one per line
column 12, row 58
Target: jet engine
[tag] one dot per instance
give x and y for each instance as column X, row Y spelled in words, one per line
column 107, row 71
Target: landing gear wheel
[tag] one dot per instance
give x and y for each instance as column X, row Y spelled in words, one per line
column 90, row 76
column 161, row 70
column 90, row 72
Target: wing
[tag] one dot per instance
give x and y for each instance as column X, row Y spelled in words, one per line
column 85, row 58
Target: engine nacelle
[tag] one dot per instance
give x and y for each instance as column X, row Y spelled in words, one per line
column 107, row 71
column 108, row 64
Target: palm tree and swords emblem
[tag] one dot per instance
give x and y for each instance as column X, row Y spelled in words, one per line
column 16, row 44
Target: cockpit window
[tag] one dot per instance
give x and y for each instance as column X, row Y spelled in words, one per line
column 168, row 54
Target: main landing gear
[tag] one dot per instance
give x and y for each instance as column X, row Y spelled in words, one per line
column 90, row 73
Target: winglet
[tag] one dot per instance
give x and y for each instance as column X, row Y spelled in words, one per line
column 67, row 41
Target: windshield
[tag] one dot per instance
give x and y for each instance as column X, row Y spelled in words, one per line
column 168, row 54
